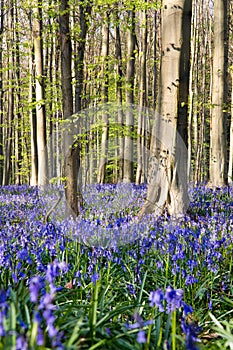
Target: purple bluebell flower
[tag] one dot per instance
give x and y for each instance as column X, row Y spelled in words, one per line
column 156, row 298
column 35, row 287
column 173, row 298
column 191, row 332
column 187, row 308
column 21, row 343
column 94, row 278
column 141, row 337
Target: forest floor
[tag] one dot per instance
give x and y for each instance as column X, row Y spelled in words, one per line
column 110, row 281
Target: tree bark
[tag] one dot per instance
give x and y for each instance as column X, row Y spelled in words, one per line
column 168, row 164
column 141, row 132
column 70, row 166
column 104, row 99
column 40, row 98
column 218, row 171
column 230, row 166
column 1, row 89
column 130, row 71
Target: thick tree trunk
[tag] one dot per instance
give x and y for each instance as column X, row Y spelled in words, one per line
column 168, row 164
column 218, row 171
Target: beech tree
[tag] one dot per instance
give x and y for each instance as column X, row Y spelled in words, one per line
column 39, row 95
column 70, row 166
column 218, row 161
column 168, row 162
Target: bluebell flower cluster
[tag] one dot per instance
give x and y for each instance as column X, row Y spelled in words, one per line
column 38, row 259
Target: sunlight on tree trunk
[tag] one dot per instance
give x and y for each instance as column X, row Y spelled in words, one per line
column 40, row 100
column 168, row 163
column 217, row 167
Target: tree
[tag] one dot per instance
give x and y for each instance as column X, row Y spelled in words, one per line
column 40, row 95
column 168, row 162
column 1, row 88
column 130, row 72
column 104, row 99
column 70, row 166
column 218, row 162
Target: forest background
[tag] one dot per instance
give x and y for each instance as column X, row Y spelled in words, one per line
column 58, row 58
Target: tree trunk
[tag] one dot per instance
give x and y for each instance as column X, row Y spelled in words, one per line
column 218, row 172
column 120, row 119
column 1, row 89
column 10, row 101
column 70, row 166
column 40, row 99
column 168, row 164
column 141, row 132
column 104, row 99
column 130, row 71
column 230, row 166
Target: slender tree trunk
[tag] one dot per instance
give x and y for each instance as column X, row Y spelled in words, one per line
column 104, row 99
column 218, row 133
column 84, row 12
column 230, row 166
column 1, row 88
column 40, row 98
column 130, row 71
column 10, row 100
column 119, row 77
column 141, row 132
column 70, row 167
column 168, row 164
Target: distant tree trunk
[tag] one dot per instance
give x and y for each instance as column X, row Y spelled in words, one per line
column 70, row 166
column 34, row 151
column 84, row 12
column 104, row 99
column 119, row 77
column 40, row 98
column 10, row 101
column 141, row 132
column 218, row 171
column 168, row 165
column 18, row 117
column 1, row 88
column 130, row 71
column 230, row 167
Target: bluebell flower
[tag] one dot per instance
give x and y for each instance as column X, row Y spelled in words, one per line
column 141, row 337
column 191, row 332
column 21, row 343
column 94, row 278
column 35, row 287
column 173, row 298
column 156, row 298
